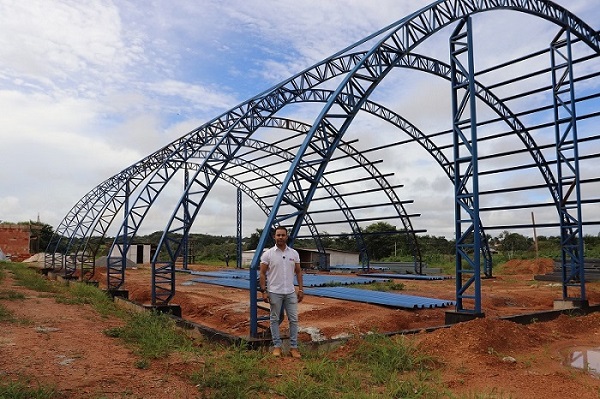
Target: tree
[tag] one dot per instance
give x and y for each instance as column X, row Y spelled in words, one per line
column 512, row 242
column 41, row 234
column 381, row 240
column 254, row 239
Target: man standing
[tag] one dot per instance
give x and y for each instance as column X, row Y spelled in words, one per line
column 277, row 268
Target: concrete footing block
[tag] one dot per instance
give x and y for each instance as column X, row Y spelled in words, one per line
column 458, row 317
column 562, row 304
column 118, row 293
column 174, row 310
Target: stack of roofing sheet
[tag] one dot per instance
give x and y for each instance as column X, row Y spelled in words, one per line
column 348, row 294
column 379, row 297
column 405, row 276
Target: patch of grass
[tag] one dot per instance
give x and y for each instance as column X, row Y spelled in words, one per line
column 11, row 295
column 25, row 390
column 319, row 378
column 81, row 293
column 304, row 387
column 493, row 393
column 233, row 372
column 379, row 366
column 153, row 335
column 420, row 385
column 384, row 286
column 384, row 357
column 31, row 279
column 6, row 315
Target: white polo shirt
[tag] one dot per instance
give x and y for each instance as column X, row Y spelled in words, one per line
column 280, row 273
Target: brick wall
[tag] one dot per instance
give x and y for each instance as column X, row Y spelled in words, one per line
column 15, row 241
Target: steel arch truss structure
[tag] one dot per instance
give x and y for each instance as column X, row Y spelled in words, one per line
column 510, row 142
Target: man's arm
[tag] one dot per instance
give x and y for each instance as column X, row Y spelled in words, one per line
column 263, row 281
column 298, row 271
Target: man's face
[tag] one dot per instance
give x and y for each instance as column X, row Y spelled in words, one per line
column 281, row 237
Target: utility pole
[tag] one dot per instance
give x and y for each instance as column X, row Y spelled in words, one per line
column 535, row 241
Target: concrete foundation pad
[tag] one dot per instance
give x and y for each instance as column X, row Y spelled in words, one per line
column 562, row 304
column 458, row 317
column 118, row 293
column 174, row 310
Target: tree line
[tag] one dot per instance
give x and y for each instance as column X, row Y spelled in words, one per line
column 382, row 240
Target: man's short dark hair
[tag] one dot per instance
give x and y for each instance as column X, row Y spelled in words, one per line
column 280, row 228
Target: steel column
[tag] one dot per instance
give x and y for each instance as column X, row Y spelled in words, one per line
column 238, row 261
column 567, row 163
column 466, row 178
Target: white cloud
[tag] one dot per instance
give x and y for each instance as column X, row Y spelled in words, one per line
column 56, row 43
column 88, row 88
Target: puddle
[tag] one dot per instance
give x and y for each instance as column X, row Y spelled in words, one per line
column 585, row 358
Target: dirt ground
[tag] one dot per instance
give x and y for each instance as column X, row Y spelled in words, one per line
column 64, row 345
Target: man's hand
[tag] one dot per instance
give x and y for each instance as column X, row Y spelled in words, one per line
column 300, row 295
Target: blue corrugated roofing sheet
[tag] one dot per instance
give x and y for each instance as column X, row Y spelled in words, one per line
column 348, row 294
column 226, row 282
column 406, row 276
column 318, row 280
column 310, row 280
column 357, row 267
column 378, row 297
column 225, row 274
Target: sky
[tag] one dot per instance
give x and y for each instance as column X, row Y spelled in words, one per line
column 88, row 88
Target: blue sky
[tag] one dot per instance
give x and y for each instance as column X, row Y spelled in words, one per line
column 89, row 87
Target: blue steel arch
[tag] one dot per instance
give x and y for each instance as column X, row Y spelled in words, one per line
column 429, row 65
column 82, row 214
column 276, row 183
column 115, row 283
column 337, row 115
column 436, row 14
column 421, row 63
column 140, row 170
column 446, row 11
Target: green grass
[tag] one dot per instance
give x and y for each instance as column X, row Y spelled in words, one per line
column 382, row 286
column 379, row 366
column 152, row 335
column 11, row 295
column 30, row 278
column 233, row 372
column 25, row 390
column 81, row 294
column 385, row 357
column 6, row 315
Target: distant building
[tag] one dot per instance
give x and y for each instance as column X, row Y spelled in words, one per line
column 15, row 241
column 310, row 258
column 137, row 253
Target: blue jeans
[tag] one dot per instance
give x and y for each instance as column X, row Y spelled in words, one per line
column 289, row 303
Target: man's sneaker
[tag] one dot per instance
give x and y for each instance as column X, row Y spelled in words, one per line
column 295, row 353
column 277, row 352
